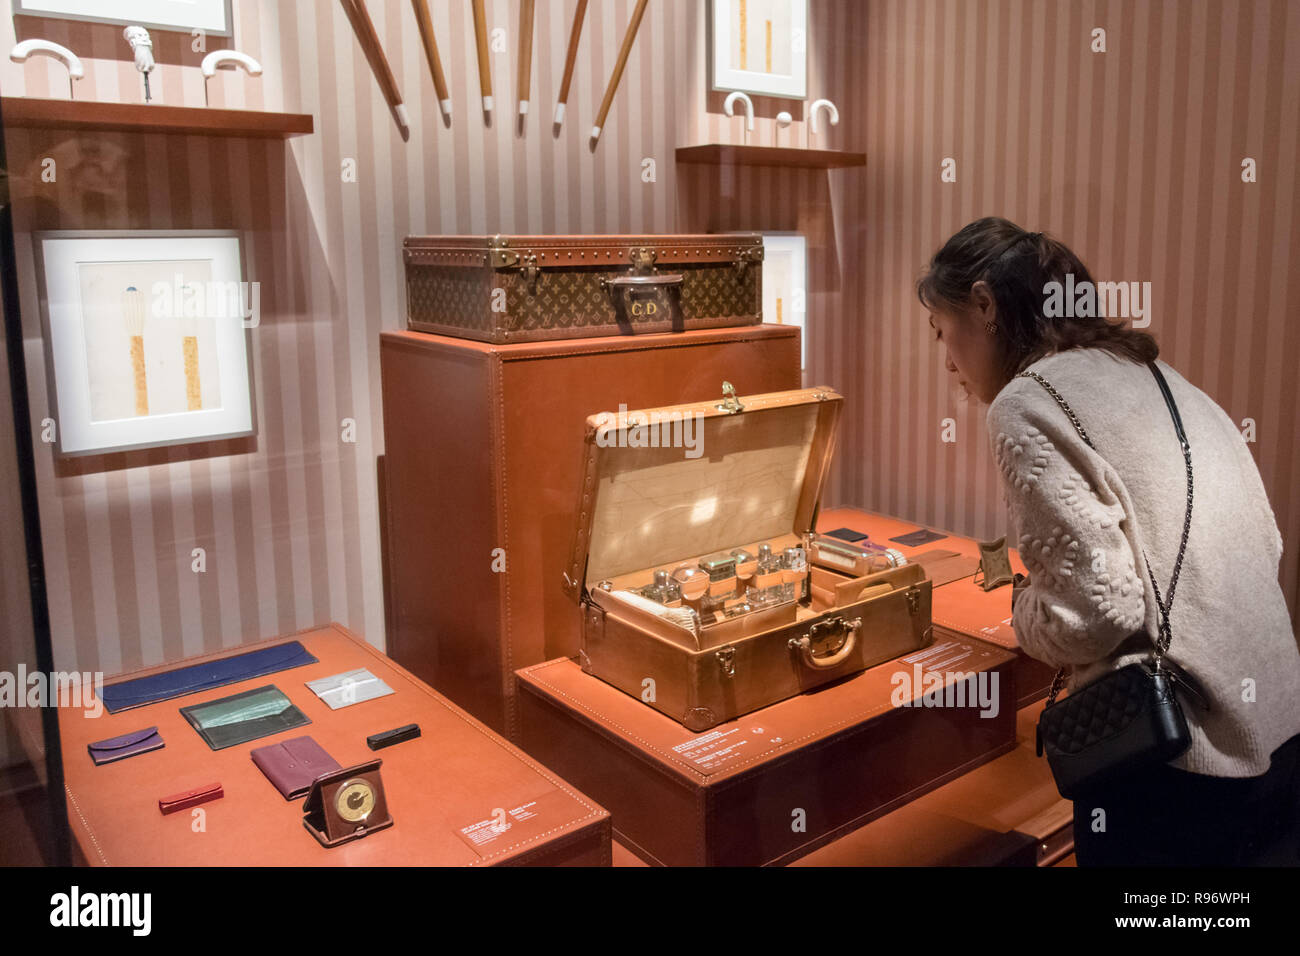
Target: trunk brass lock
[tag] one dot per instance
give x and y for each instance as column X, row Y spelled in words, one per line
column 741, row 263
column 643, row 260
column 530, row 269
column 727, row 658
column 501, row 256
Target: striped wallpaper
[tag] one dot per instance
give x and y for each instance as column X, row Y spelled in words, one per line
column 1134, row 158
column 1131, row 156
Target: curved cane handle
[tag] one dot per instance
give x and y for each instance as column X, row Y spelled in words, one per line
column 25, row 49
column 217, row 57
column 730, row 107
column 816, row 109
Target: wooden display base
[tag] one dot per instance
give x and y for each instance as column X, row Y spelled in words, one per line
column 776, row 784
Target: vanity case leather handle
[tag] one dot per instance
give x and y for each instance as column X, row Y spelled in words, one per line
column 804, row 645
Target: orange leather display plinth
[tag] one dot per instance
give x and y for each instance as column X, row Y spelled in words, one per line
column 777, row 783
column 459, row 794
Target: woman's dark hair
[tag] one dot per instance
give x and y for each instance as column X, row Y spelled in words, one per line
column 1018, row 265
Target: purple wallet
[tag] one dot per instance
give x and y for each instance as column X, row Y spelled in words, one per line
column 292, row 765
column 128, row 745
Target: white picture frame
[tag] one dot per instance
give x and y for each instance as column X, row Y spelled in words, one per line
column 213, row 17
column 146, row 338
column 759, row 47
column 785, row 284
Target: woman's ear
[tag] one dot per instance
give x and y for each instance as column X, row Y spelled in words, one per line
column 982, row 301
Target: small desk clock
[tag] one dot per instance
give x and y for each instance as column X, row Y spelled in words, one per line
column 347, row 804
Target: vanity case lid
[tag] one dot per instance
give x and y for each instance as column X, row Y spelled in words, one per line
column 666, row 484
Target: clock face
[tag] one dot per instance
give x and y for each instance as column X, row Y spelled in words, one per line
column 355, row 800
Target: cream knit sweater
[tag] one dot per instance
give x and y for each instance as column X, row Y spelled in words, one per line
column 1083, row 518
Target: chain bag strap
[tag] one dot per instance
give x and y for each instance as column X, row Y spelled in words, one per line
column 1131, row 716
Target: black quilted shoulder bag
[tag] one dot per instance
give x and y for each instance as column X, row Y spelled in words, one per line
column 1131, row 717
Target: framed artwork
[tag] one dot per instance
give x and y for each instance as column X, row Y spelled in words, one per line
column 785, row 270
column 146, row 338
column 211, row 16
column 760, row 46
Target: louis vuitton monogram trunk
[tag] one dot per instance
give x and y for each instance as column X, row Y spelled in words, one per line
column 529, row 288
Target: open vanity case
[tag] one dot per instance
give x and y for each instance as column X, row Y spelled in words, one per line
column 690, row 560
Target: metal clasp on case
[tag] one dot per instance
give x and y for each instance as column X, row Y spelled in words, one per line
column 741, row 263
column 643, row 260
column 730, row 403
column 727, row 658
column 913, row 600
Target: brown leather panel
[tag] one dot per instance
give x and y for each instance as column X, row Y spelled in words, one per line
column 442, row 496
column 527, row 351
column 456, row 774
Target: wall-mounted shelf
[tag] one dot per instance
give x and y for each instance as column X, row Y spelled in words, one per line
column 732, row 154
column 23, row 111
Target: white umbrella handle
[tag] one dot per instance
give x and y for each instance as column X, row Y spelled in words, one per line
column 217, row 57
column 25, row 49
column 730, row 105
column 816, row 109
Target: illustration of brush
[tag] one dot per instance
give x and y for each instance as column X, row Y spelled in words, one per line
column 133, row 316
column 190, row 348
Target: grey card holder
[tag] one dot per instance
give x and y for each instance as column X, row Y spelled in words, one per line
column 240, row 718
column 350, row 687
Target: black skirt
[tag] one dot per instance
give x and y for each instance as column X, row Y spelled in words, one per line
column 1169, row 817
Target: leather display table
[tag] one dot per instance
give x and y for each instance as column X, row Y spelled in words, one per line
column 777, row 783
column 444, row 789
column 960, row 608
column 483, row 466
column 1005, row 813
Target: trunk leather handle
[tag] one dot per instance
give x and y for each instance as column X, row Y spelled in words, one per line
column 804, row 646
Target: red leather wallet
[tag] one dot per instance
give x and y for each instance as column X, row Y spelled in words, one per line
column 190, row 798
column 293, row 764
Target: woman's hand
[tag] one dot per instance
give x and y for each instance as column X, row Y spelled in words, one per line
column 1019, row 584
